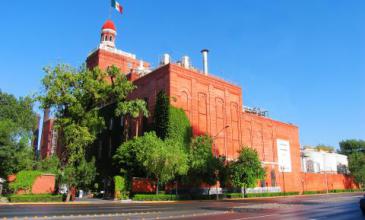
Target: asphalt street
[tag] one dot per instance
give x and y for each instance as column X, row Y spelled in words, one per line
column 332, row 206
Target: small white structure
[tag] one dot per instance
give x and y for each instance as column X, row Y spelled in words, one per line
column 314, row 161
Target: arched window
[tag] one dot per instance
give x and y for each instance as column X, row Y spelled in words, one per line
column 111, row 38
column 105, row 38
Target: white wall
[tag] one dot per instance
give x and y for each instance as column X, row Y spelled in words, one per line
column 322, row 161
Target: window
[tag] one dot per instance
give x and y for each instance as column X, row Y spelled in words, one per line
column 105, row 38
column 111, row 38
column 111, row 122
column 310, row 166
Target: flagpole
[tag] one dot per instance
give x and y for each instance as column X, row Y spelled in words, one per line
column 110, row 13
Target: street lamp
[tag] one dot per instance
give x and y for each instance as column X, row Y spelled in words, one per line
column 215, row 137
column 282, row 169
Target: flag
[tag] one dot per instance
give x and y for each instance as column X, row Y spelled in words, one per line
column 117, row 6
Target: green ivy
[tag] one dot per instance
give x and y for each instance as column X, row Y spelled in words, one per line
column 24, row 180
column 179, row 128
column 161, row 115
column 171, row 122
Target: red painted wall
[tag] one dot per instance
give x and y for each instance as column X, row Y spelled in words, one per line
column 103, row 59
column 44, row 184
column 318, row 182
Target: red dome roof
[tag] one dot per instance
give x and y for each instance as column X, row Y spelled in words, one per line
column 109, row 24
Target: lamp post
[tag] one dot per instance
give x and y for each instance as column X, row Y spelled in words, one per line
column 217, row 155
column 215, row 137
column 282, row 168
column 304, row 169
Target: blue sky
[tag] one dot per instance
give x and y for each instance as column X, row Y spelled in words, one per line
column 303, row 61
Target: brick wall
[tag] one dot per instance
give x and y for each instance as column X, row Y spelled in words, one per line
column 318, row 182
column 43, row 184
column 211, row 104
column 104, row 59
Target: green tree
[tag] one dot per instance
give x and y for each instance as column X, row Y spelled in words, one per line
column 204, row 166
column 247, row 169
column 325, row 148
column 119, row 187
column 17, row 123
column 49, row 165
column 162, row 160
column 348, row 147
column 357, row 167
column 76, row 96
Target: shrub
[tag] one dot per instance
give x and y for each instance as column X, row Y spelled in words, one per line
column 345, row 190
column 313, row 192
column 119, row 187
column 154, row 197
column 254, row 195
column 35, row 198
column 24, row 180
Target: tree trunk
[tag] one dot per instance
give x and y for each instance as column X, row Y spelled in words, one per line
column 244, row 191
column 176, row 190
column 137, row 127
column 157, row 186
column 68, row 197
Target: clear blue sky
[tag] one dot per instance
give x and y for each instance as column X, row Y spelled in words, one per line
column 304, row 61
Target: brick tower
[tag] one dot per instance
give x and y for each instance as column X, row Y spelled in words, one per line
column 106, row 54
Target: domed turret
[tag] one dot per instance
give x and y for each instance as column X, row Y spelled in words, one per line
column 108, row 34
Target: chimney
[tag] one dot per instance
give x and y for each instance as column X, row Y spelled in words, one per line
column 185, row 62
column 166, row 59
column 205, row 61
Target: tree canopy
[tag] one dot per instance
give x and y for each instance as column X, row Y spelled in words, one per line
column 357, row 167
column 162, row 160
column 204, row 166
column 247, row 169
column 17, row 123
column 76, row 96
column 348, row 147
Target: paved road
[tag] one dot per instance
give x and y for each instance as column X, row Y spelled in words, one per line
column 333, row 206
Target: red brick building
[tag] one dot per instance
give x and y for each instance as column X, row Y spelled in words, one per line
column 213, row 106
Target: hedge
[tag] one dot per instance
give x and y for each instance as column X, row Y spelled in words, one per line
column 332, row 191
column 154, row 197
column 35, row 198
column 253, row 195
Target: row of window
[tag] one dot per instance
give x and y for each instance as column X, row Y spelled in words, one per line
column 106, row 38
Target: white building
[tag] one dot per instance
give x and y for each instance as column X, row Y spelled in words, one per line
column 314, row 161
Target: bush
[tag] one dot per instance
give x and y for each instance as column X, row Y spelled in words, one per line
column 35, row 198
column 119, row 187
column 154, row 197
column 313, row 192
column 345, row 190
